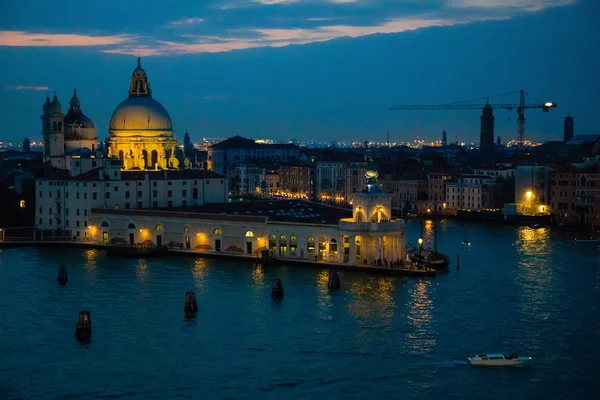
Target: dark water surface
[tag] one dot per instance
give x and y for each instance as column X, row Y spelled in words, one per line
column 518, row 289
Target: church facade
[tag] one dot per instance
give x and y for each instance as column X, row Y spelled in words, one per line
column 140, row 129
column 66, row 136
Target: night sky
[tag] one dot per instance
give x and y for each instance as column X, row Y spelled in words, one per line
column 302, row 69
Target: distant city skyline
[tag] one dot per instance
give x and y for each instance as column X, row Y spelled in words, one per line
column 320, row 70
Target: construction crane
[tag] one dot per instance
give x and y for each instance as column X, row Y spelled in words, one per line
column 509, row 106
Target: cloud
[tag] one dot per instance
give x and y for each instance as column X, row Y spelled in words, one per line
column 33, row 88
column 299, row 22
column 527, row 5
column 186, row 21
column 26, row 39
column 274, row 37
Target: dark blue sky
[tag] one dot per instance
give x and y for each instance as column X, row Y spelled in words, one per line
column 320, row 69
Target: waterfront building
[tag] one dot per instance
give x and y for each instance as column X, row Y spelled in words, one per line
column 298, row 181
column 575, row 195
column 436, row 192
column 64, row 202
column 140, row 129
column 469, row 193
column 331, row 181
column 295, row 229
column 225, row 155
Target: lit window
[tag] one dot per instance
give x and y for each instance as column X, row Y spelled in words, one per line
column 250, row 234
column 218, row 231
column 159, row 227
column 22, row 203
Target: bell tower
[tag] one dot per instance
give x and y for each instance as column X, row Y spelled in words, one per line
column 53, row 133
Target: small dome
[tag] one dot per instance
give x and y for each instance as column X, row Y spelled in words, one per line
column 77, row 126
column 55, row 106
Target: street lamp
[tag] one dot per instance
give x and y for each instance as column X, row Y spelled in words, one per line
column 420, row 248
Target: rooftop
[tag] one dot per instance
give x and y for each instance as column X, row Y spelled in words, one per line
column 94, row 175
column 238, row 142
column 295, row 211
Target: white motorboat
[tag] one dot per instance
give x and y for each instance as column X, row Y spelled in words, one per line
column 493, row 360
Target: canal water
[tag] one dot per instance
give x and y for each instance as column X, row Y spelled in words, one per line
column 525, row 290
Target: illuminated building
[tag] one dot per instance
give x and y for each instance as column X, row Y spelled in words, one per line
column 575, row 195
column 289, row 229
column 469, row 192
column 224, row 156
column 331, row 181
column 297, row 181
column 140, row 129
column 64, row 202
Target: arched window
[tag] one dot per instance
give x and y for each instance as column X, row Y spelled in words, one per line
column 59, row 126
column 249, row 234
column 195, row 193
column 159, row 227
column 54, row 127
column 322, row 248
column 357, row 241
column 131, row 226
column 293, row 243
column 282, row 246
column 333, row 246
column 218, row 232
column 154, row 158
column 104, row 224
column 145, row 158
column 272, row 242
column 310, row 244
column 187, row 229
column 121, row 157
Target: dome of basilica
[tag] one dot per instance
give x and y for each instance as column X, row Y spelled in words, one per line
column 140, row 114
column 77, row 126
column 136, row 114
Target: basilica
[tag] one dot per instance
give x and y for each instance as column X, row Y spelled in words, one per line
column 140, row 133
column 140, row 129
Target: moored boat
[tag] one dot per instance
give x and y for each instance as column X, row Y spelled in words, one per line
column 429, row 258
column 498, row 360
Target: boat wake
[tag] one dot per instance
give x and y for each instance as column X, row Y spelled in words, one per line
column 449, row 363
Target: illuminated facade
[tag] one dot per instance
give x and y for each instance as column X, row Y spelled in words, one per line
column 140, row 129
column 290, row 229
column 64, row 202
column 469, row 192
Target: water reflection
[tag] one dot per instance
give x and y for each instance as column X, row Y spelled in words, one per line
column 200, row 272
column 324, row 301
column 91, row 261
column 258, row 277
column 141, row 270
column 533, row 240
column 372, row 300
column 421, row 337
column 536, row 278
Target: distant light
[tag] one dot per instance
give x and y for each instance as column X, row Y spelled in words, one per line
column 420, row 241
column 549, row 104
column 529, row 194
